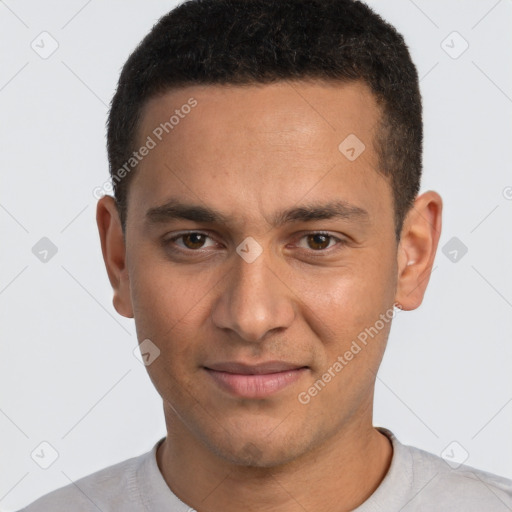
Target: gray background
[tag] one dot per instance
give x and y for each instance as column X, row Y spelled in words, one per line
column 68, row 375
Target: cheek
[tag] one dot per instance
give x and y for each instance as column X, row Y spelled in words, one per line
column 343, row 301
column 343, row 308
column 172, row 306
column 346, row 317
column 165, row 297
column 169, row 308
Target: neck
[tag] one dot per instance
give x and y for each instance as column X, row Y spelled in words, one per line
column 336, row 476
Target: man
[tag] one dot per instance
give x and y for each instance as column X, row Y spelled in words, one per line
column 266, row 228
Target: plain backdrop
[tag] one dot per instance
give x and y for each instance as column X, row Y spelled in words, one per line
column 68, row 375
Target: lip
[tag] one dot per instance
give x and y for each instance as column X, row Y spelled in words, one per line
column 255, row 381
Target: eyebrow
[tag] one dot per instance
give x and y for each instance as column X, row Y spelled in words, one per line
column 175, row 209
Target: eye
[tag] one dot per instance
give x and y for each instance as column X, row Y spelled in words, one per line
column 192, row 240
column 319, row 241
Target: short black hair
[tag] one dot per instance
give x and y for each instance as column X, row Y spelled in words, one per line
column 263, row 41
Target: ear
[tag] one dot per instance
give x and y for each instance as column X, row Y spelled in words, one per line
column 417, row 249
column 114, row 254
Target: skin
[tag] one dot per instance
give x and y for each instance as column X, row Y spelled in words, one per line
column 249, row 152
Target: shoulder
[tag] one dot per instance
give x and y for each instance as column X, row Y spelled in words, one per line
column 460, row 486
column 111, row 488
column 420, row 481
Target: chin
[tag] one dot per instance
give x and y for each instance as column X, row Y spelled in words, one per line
column 253, row 456
column 257, row 451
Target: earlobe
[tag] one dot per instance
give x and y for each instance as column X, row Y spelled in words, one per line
column 417, row 249
column 114, row 254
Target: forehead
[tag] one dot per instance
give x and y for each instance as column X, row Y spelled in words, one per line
column 242, row 149
column 284, row 111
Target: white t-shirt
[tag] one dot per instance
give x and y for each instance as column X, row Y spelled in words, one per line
column 416, row 481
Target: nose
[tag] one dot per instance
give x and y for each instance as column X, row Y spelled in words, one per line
column 255, row 300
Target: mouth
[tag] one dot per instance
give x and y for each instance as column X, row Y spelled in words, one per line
column 255, row 381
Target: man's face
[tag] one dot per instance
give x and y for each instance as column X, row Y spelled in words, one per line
column 289, row 296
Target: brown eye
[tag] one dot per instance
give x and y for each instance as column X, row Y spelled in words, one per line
column 190, row 241
column 318, row 241
column 193, row 240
